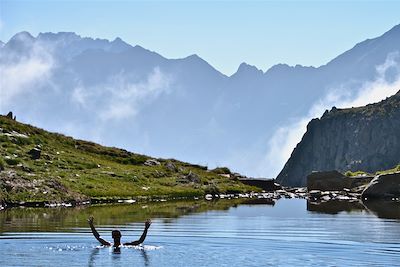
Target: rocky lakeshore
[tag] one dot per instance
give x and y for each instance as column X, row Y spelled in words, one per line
column 323, row 189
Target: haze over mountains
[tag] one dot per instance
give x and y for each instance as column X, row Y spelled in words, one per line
column 126, row 96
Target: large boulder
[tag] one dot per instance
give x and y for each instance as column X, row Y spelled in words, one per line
column 325, row 181
column 334, row 181
column 384, row 186
column 191, row 177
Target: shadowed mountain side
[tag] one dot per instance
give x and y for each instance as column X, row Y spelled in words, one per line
column 356, row 139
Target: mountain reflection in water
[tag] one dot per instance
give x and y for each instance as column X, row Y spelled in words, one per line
column 384, row 209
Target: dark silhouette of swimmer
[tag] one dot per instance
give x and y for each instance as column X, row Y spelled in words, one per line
column 116, row 235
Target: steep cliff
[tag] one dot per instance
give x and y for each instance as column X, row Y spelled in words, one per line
column 364, row 138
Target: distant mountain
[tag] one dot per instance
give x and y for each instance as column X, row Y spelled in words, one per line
column 126, row 96
column 356, row 139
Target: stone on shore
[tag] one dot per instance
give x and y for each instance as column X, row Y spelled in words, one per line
column 334, row 181
column 383, row 186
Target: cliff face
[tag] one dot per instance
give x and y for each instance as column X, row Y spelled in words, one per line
column 365, row 138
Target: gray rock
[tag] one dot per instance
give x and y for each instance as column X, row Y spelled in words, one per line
column 35, row 153
column 315, row 193
column 190, row 177
column 238, row 175
column 151, row 162
column 335, row 181
column 326, row 181
column 171, row 166
column 384, row 186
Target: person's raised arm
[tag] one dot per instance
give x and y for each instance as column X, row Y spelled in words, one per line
column 96, row 234
column 143, row 237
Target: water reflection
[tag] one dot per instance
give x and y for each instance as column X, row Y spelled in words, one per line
column 334, row 206
column 69, row 219
column 384, row 209
column 62, row 219
column 93, row 256
column 259, row 201
column 145, row 257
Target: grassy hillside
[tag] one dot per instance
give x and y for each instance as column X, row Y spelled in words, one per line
column 358, row 173
column 76, row 170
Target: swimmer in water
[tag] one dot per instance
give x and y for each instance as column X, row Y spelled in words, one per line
column 116, row 235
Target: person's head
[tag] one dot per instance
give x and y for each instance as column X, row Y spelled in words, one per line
column 116, row 235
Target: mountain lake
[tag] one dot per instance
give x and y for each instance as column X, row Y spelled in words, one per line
column 237, row 232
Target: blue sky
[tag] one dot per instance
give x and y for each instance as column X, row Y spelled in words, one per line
column 261, row 33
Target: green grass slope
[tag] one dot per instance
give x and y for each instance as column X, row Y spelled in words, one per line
column 76, row 170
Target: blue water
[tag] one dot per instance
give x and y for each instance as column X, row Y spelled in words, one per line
column 286, row 234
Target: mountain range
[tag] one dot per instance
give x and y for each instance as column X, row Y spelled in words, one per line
column 127, row 96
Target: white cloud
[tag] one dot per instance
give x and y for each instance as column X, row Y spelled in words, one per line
column 22, row 73
column 285, row 138
column 120, row 98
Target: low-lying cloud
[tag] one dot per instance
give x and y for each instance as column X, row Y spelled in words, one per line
column 119, row 98
column 23, row 73
column 285, row 138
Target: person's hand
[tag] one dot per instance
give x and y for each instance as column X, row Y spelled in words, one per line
column 147, row 223
column 90, row 220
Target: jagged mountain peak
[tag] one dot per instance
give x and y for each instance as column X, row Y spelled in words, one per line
column 245, row 68
column 58, row 35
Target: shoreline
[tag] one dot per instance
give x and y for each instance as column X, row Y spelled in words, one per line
column 146, row 199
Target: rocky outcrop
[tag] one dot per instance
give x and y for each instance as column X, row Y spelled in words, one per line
column 364, row 138
column 335, row 181
column 384, row 186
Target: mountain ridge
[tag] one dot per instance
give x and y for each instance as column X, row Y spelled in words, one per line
column 150, row 100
